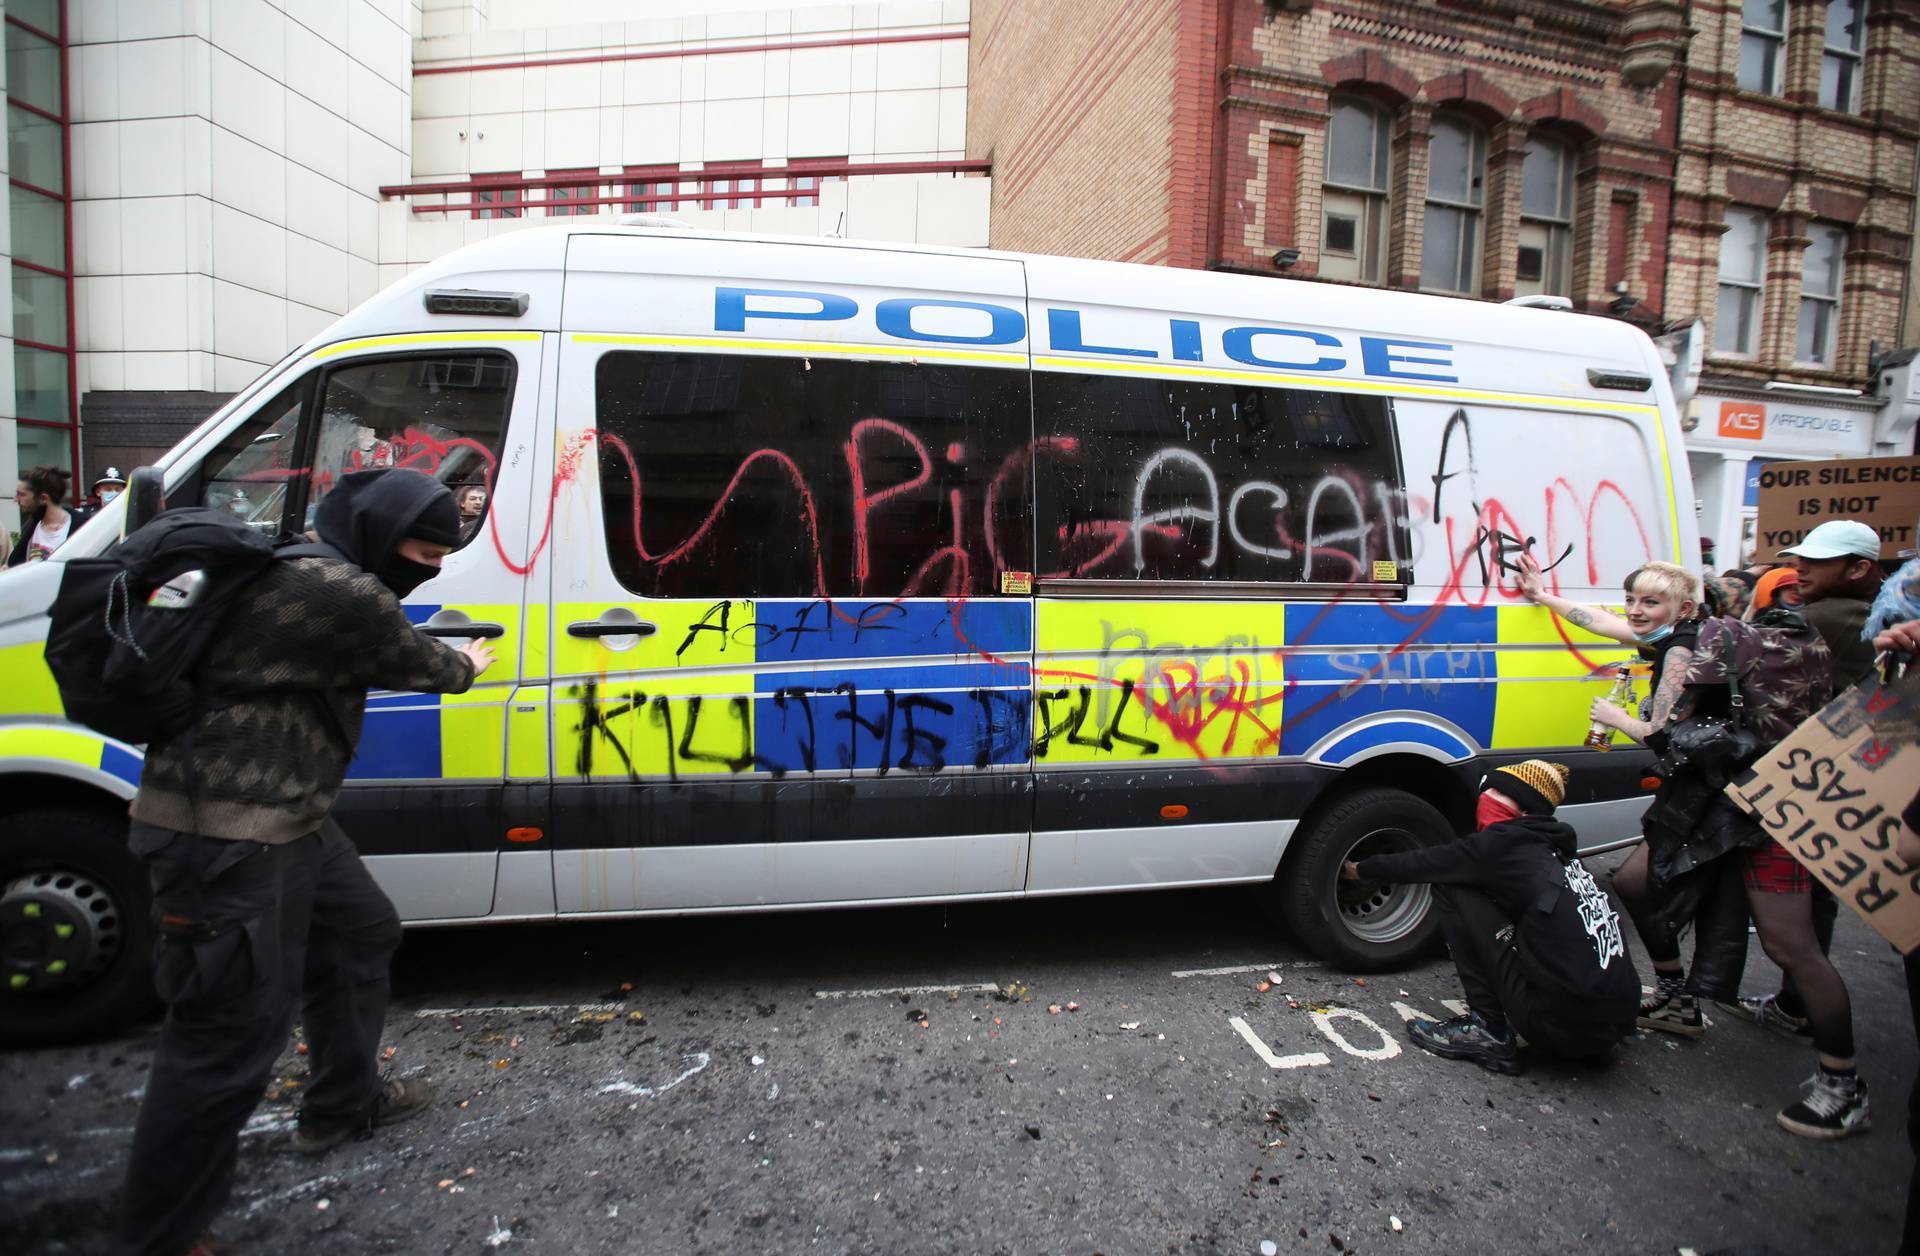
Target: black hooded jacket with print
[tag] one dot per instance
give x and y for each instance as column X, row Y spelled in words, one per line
column 1569, row 940
column 265, row 761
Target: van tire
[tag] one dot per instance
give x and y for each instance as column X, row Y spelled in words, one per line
column 1357, row 928
column 55, row 863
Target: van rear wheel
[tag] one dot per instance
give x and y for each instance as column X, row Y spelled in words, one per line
column 1355, row 925
column 76, row 934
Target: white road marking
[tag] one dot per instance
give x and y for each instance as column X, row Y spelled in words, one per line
column 619, row 1086
column 1235, row 969
column 313, row 1185
column 1407, row 1012
column 1456, row 1006
column 517, row 1008
column 50, row 1180
column 963, row 987
column 1308, row 1059
column 1323, row 1021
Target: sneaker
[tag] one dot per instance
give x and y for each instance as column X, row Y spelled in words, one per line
column 1766, row 1012
column 1834, row 1108
column 1672, row 1016
column 399, row 1099
column 1466, row 1038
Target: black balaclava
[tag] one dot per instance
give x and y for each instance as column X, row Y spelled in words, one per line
column 369, row 513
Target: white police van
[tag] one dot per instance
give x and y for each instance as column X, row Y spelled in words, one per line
column 828, row 573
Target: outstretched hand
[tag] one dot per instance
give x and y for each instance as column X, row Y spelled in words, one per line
column 1532, row 580
column 480, row 652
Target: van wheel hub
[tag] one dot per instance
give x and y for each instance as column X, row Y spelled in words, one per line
column 1376, row 912
column 59, row 930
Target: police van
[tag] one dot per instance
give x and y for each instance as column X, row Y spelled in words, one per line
column 825, row 573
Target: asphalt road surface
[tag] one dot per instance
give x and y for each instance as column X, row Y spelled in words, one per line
column 898, row 1081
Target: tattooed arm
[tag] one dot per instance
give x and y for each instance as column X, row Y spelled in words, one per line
column 1671, row 702
column 1594, row 619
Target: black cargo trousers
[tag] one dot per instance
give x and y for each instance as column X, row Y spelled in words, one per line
column 1479, row 937
column 250, row 934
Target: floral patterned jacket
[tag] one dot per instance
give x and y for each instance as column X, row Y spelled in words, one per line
column 1783, row 669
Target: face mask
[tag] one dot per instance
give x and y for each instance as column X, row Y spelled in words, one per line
column 107, row 495
column 403, row 575
column 1657, row 635
column 1491, row 810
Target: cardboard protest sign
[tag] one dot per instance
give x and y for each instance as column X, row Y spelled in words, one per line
column 1883, row 493
column 1832, row 792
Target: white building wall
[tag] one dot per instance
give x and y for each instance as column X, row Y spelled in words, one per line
column 227, row 156
column 666, row 91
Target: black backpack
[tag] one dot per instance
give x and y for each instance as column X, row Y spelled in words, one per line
column 129, row 629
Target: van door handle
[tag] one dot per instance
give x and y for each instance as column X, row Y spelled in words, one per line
column 611, row 628
column 488, row 631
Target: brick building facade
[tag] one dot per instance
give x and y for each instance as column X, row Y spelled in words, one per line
column 1195, row 132
column 1749, row 164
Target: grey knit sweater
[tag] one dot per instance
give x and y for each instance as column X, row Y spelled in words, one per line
column 265, row 762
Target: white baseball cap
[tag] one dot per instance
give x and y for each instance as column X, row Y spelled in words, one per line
column 1838, row 538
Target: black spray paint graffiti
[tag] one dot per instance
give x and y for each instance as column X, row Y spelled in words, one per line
column 836, row 728
column 1504, row 545
column 841, row 728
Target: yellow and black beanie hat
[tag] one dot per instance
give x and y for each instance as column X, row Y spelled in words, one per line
column 1535, row 785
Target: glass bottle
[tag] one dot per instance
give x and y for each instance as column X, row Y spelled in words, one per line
column 1600, row 736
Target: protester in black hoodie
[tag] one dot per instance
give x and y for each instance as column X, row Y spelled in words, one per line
column 266, row 910
column 1539, row 949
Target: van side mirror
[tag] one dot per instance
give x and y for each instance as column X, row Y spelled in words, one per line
column 146, row 497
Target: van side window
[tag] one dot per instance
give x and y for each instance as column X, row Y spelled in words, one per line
column 443, row 414
column 251, row 472
column 1145, row 479
column 727, row 476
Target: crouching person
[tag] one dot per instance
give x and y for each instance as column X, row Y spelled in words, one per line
column 266, row 910
column 1539, row 948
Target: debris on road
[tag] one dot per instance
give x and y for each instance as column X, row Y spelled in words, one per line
column 1073, row 1007
column 1263, row 986
column 501, row 1235
column 758, row 1060
column 1274, row 977
column 1129, row 1024
column 1397, row 1224
column 1033, row 1132
column 1053, row 1009
column 1269, row 1248
column 388, row 1054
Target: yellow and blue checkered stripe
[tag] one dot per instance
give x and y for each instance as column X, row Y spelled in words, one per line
column 1194, row 681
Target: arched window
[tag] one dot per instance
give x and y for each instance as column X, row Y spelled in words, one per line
column 1743, row 262
column 1353, row 215
column 1546, row 218
column 1763, row 38
column 1820, row 294
column 1840, row 63
column 1456, row 181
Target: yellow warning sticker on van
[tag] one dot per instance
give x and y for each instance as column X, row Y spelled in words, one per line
column 1385, row 571
column 1016, row 583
